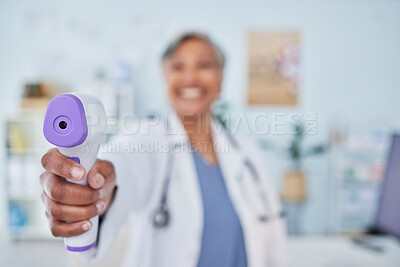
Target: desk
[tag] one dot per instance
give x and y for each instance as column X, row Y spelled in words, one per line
column 341, row 252
column 303, row 252
column 15, row 253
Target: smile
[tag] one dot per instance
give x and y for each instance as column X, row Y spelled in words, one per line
column 191, row 93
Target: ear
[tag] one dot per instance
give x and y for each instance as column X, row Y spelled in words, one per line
column 220, row 80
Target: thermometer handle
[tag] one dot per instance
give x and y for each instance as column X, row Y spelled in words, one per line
column 88, row 239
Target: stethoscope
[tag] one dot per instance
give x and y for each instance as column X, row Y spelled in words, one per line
column 161, row 214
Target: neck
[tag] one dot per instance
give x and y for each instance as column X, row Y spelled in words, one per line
column 197, row 126
column 198, row 129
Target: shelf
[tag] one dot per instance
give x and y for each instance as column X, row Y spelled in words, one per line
column 31, row 233
column 24, row 152
column 360, row 182
column 24, row 196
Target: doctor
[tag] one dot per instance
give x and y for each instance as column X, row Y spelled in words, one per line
column 198, row 194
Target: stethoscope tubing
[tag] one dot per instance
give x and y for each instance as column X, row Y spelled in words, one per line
column 161, row 215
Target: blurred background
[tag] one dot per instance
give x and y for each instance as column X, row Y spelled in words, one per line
column 324, row 98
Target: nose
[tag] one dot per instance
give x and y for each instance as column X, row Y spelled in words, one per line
column 190, row 76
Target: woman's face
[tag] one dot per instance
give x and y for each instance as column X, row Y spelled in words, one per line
column 193, row 76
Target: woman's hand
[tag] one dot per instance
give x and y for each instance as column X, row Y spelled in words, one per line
column 70, row 202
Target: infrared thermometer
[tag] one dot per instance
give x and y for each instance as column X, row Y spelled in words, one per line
column 75, row 123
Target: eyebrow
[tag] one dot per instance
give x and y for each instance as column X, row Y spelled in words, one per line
column 177, row 56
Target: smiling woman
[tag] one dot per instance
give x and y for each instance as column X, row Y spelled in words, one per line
column 193, row 67
column 193, row 70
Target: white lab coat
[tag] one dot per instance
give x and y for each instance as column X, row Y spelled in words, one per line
column 140, row 177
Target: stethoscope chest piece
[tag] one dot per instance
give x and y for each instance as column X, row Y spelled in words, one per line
column 161, row 218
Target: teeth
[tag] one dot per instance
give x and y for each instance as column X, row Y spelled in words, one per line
column 191, row 93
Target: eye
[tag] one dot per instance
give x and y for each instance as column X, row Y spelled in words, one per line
column 205, row 65
column 177, row 66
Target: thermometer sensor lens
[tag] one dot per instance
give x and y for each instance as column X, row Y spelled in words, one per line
column 63, row 124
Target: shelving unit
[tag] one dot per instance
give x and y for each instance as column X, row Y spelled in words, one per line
column 24, row 148
column 358, row 164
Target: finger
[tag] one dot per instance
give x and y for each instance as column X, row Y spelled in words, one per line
column 70, row 213
column 62, row 229
column 62, row 191
column 55, row 162
column 102, row 172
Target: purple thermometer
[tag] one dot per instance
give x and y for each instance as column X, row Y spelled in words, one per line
column 75, row 123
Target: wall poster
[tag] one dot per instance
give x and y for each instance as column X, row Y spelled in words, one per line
column 273, row 67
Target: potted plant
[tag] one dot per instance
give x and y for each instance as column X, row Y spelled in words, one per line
column 294, row 188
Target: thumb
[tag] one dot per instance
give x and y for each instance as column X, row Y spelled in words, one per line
column 99, row 173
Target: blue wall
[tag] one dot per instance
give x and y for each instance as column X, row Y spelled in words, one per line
column 351, row 58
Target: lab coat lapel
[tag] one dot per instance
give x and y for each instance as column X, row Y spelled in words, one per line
column 229, row 159
column 231, row 163
column 186, row 176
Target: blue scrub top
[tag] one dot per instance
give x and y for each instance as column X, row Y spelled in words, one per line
column 222, row 240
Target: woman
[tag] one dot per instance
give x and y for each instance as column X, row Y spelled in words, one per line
column 194, row 197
